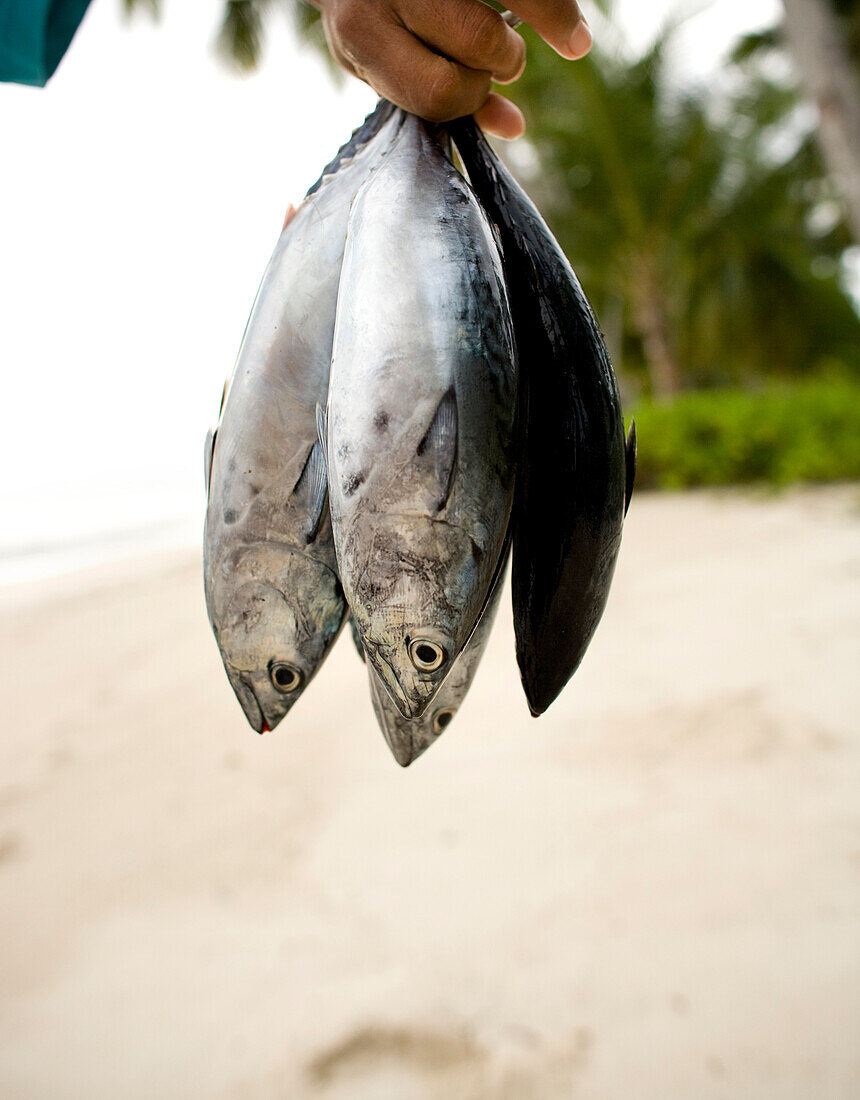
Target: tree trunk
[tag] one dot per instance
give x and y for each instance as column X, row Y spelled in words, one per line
column 830, row 78
column 652, row 321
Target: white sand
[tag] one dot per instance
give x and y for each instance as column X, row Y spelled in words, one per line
column 652, row 892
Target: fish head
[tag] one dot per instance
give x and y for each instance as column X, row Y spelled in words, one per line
column 416, row 601
column 280, row 613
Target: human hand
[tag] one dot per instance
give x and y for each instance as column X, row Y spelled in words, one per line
column 438, row 58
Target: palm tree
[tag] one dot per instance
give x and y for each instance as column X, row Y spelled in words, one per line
column 242, row 33
column 824, row 42
column 823, row 37
column 679, row 215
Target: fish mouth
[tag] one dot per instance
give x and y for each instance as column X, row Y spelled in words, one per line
column 387, row 679
column 258, row 719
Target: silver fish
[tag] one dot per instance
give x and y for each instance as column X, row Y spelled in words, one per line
column 272, row 591
column 420, row 428
column 408, row 738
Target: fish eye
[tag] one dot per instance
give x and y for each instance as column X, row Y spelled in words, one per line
column 427, row 656
column 442, row 719
column 285, row 678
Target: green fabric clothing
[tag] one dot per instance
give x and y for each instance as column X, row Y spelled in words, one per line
column 34, row 35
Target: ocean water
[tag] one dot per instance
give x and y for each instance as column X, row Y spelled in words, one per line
column 50, row 532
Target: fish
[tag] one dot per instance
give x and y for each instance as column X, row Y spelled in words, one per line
column 273, row 595
column 409, row 738
column 420, row 422
column 576, row 470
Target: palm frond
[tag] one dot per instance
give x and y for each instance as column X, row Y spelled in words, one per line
column 152, row 7
column 240, row 38
column 755, row 44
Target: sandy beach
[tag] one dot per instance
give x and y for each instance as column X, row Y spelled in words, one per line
column 653, row 892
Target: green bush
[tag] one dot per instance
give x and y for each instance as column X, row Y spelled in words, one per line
column 807, row 431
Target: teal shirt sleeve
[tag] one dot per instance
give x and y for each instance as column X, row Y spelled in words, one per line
column 34, row 35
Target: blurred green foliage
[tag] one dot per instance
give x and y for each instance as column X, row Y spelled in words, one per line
column 786, row 432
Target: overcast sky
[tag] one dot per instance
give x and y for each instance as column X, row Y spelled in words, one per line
column 143, row 191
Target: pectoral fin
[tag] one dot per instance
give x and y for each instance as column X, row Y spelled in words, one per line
column 439, row 447
column 322, row 430
column 630, row 465
column 310, row 491
column 356, row 637
column 208, row 449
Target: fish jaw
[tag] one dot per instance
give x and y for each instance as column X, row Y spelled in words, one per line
column 247, row 700
column 275, row 617
column 262, row 709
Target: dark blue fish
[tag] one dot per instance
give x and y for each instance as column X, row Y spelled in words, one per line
column 576, row 474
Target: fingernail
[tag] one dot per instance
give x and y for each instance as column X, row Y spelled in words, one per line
column 509, row 79
column 580, row 41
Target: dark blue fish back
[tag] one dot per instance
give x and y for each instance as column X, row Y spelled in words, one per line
column 571, row 481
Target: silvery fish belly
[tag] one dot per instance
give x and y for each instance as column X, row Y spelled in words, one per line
column 409, row 737
column 272, row 591
column 420, row 417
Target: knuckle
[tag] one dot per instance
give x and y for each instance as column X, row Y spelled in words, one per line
column 566, row 14
column 349, row 24
column 513, row 63
column 483, row 33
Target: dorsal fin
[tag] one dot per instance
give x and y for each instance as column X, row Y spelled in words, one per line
column 630, row 465
column 371, row 126
column 208, row 450
column 439, row 445
column 310, row 490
